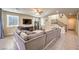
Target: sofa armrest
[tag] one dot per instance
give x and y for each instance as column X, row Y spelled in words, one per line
column 19, row 42
column 36, row 43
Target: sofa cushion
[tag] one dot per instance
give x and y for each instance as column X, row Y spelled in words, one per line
column 28, row 32
column 38, row 31
column 18, row 31
column 23, row 35
column 36, row 34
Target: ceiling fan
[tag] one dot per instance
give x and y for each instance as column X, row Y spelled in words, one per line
column 38, row 11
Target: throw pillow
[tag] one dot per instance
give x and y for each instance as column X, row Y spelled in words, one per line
column 23, row 35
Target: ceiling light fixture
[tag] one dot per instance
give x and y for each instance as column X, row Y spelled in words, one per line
column 38, row 11
column 61, row 15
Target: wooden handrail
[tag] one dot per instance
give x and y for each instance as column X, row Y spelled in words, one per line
column 62, row 24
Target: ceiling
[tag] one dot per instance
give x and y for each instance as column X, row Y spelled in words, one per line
column 46, row 11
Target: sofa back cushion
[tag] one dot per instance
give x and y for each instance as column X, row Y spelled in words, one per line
column 36, row 34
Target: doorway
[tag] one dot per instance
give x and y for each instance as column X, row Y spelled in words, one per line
column 72, row 21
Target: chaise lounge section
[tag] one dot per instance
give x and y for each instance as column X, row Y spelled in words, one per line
column 39, row 40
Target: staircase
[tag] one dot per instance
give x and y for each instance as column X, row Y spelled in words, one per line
column 57, row 24
column 60, row 25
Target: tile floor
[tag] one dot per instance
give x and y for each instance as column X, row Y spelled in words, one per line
column 8, row 43
column 68, row 41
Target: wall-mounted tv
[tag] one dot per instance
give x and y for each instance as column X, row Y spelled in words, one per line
column 27, row 21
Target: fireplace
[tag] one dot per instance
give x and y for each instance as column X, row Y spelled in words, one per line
column 27, row 21
column 27, row 24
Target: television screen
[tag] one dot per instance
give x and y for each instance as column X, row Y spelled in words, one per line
column 27, row 21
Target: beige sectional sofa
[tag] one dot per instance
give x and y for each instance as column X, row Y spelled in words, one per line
column 38, row 40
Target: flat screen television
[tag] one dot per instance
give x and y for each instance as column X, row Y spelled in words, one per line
column 27, row 21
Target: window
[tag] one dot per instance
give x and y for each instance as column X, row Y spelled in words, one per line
column 12, row 21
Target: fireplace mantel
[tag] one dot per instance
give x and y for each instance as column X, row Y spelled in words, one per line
column 27, row 25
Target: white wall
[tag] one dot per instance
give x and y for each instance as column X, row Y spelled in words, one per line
column 64, row 19
column 78, row 28
column 77, row 24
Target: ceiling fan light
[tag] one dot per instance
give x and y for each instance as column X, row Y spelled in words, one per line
column 38, row 11
column 61, row 15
